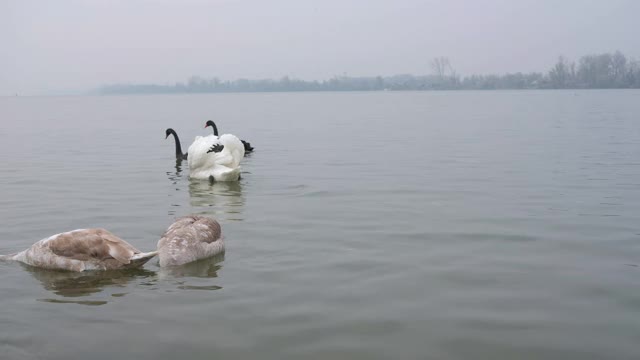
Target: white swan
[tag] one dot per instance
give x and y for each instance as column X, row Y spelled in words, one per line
column 247, row 146
column 212, row 157
column 80, row 250
column 188, row 239
column 215, row 157
column 238, row 148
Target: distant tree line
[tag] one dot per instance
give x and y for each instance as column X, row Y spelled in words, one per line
column 603, row 71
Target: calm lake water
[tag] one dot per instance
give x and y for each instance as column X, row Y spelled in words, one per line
column 395, row 225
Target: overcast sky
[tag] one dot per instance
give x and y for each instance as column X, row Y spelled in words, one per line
column 80, row 44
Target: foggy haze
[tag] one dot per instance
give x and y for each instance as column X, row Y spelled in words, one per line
column 51, row 46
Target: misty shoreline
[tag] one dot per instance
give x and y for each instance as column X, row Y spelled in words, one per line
column 602, row 71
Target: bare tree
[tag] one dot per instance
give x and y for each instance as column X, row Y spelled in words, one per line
column 560, row 73
column 440, row 66
column 618, row 68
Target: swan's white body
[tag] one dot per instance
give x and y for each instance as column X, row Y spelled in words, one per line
column 188, row 239
column 223, row 165
column 83, row 249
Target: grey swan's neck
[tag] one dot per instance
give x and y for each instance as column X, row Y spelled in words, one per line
column 179, row 154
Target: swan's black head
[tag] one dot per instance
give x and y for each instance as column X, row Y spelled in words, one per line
column 168, row 132
column 213, row 125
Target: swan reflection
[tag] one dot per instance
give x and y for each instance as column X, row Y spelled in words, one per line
column 70, row 284
column 175, row 177
column 223, row 200
column 205, row 268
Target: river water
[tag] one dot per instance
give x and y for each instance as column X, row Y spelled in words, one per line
column 387, row 225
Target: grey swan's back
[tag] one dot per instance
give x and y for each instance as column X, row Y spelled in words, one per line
column 80, row 250
column 179, row 154
column 247, row 146
column 188, row 239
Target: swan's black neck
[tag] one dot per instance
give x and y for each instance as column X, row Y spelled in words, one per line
column 213, row 125
column 179, row 154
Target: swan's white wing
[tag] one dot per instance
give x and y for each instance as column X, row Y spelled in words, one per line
column 230, row 155
column 223, row 165
column 232, row 147
column 198, row 156
column 222, row 158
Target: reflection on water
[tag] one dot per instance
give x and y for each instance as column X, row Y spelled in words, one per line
column 198, row 271
column 77, row 284
column 78, row 302
column 176, row 175
column 224, row 198
column 470, row 244
column 205, row 268
column 74, row 287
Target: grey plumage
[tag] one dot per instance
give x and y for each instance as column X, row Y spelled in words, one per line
column 188, row 239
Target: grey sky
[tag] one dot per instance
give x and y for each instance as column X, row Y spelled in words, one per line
column 80, row 44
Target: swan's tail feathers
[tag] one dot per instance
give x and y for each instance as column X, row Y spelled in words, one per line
column 146, row 255
column 247, row 146
column 7, row 257
column 140, row 259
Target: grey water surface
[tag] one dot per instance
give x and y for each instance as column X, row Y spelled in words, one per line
column 389, row 225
